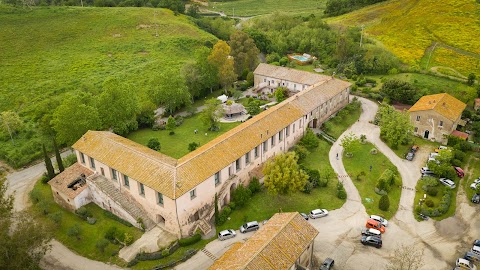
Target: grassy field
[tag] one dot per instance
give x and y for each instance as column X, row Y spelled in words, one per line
column 336, row 126
column 260, row 7
column 90, row 233
column 409, row 27
column 176, row 145
column 48, row 52
column 361, row 161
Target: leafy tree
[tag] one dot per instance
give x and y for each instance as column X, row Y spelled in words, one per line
column 177, row 6
column 244, row 51
column 169, row 90
column 73, row 118
column 442, row 170
column 399, row 91
column 395, row 126
column 281, row 93
column 211, row 114
column 200, row 76
column 10, row 123
column 154, row 144
column 384, row 203
column 146, row 115
column 241, row 195
column 283, row 174
column 253, row 107
column 226, row 73
column 406, row 258
column 262, row 41
column 171, row 123
column 192, row 146
column 102, row 244
column 23, row 242
column 350, row 143
column 471, row 79
column 224, row 63
column 310, row 140
column 58, row 156
column 48, row 163
column 301, row 151
column 75, row 231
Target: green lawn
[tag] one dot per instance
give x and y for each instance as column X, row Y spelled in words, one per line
column 260, row 7
column 148, row 265
column 337, row 125
column 176, row 145
column 419, row 194
column 90, row 233
column 318, row 158
column 361, row 161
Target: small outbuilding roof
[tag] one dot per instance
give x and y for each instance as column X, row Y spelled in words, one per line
column 233, row 108
column 289, row 74
column 69, row 182
column 459, row 134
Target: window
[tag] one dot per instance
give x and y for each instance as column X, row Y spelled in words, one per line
column 159, row 198
column 293, row 128
column 141, row 189
column 114, row 174
column 418, row 117
column 256, row 152
column 102, row 171
column 237, row 165
column 92, row 163
column 265, row 145
column 230, row 171
column 273, row 141
column 440, row 124
column 193, row 194
column 287, row 131
column 82, row 158
column 264, row 80
column 415, row 129
column 280, row 136
column 217, row 178
column 126, row 182
column 247, row 158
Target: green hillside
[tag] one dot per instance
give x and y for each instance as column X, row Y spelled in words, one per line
column 260, row 7
column 50, row 51
column 425, row 33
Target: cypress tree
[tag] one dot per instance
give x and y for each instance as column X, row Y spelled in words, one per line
column 384, row 203
column 48, row 164
column 57, row 156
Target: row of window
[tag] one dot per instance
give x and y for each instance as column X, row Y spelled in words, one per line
column 126, row 180
column 284, row 84
column 440, row 123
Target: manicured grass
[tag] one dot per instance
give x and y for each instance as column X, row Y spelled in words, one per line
column 472, row 173
column 318, row 158
column 178, row 254
column 90, row 233
column 419, row 194
column 337, row 125
column 176, row 145
column 408, row 28
column 361, row 162
column 255, row 7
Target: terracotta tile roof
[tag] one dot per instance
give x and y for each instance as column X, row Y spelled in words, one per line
column 174, row 178
column 277, row 245
column 444, row 104
column 139, row 162
column 289, row 74
column 70, row 174
column 459, row 134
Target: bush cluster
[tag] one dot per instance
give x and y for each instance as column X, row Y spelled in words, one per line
column 386, row 180
column 341, row 193
column 190, row 240
column 143, row 256
column 441, row 209
column 187, row 255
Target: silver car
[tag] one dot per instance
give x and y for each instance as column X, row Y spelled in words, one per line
column 318, row 213
column 226, row 234
column 447, row 182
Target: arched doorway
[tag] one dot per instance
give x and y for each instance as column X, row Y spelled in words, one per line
column 425, row 135
column 226, row 200
column 160, row 219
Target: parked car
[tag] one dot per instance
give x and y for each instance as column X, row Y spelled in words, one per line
column 371, row 241
column 475, row 258
column 466, row 264
column 410, row 156
column 249, row 226
column 474, row 185
column 380, row 219
column 371, row 232
column 426, row 170
column 441, row 147
column 422, row 216
column 447, row 182
column 475, row 249
column 373, row 224
column 476, row 198
column 414, row 148
column 305, row 216
column 433, row 155
column 459, row 171
column 433, row 159
column 226, row 234
column 318, row 213
column 476, row 243
column 327, row 264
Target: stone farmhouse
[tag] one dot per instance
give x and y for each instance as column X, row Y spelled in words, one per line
column 136, row 182
column 284, row 242
column 434, row 117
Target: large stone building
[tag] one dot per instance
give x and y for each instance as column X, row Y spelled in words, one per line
column 434, row 117
column 285, row 242
column 134, row 181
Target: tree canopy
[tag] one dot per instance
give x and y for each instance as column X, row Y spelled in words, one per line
column 395, row 126
column 244, row 51
column 350, row 143
column 170, row 91
column 400, row 91
column 224, row 63
column 212, row 113
column 283, row 174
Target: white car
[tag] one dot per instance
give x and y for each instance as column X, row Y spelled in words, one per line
column 318, row 213
column 476, row 250
column 475, row 183
column 226, row 234
column 380, row 219
column 447, row 182
column 465, row 264
column 433, row 155
column 433, row 159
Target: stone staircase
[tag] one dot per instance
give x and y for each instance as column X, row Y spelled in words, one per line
column 326, row 136
column 122, row 199
column 204, row 227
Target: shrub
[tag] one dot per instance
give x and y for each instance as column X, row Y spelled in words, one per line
column 44, row 207
column 178, row 120
column 110, row 233
column 189, row 240
column 254, row 185
column 165, row 252
column 340, row 186
column 171, row 133
column 323, row 182
column 341, row 194
column 227, row 210
column 459, row 155
column 456, row 162
column 432, row 191
column 374, row 151
column 384, row 203
column 309, row 140
column 241, row 195
column 232, row 205
column 101, row 245
column 192, row 146
column 301, row 151
column 56, row 217
column 35, row 195
column 314, row 177
column 69, row 160
column 154, row 144
column 83, row 213
column 308, row 187
column 429, row 203
column 128, row 239
column 44, row 179
column 75, row 231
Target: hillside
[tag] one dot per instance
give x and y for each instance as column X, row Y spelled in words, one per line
column 411, row 29
column 261, row 7
column 48, row 52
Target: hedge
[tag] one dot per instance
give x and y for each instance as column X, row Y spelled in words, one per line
column 189, row 240
column 187, row 255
